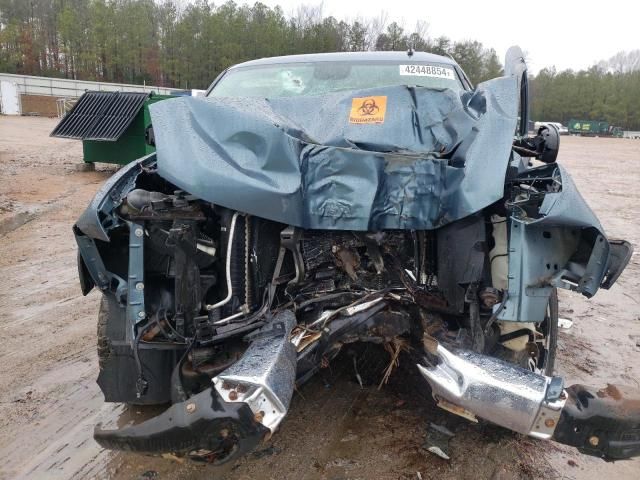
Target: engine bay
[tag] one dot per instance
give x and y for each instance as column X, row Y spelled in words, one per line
column 212, row 276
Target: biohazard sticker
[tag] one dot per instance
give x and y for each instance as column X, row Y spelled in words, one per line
column 368, row 109
column 427, row 71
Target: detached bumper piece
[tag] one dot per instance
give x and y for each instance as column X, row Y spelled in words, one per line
column 245, row 403
column 604, row 423
column 203, row 427
column 469, row 384
column 265, row 376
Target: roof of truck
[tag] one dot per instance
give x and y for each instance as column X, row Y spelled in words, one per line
column 350, row 57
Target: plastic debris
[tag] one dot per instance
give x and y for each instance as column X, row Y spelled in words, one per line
column 565, row 323
column 437, row 440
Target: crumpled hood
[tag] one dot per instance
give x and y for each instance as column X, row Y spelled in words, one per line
column 344, row 160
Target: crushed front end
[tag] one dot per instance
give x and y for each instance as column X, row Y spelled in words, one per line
column 237, row 263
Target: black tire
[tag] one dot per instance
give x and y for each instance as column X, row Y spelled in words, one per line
column 550, row 328
column 104, row 345
column 111, row 328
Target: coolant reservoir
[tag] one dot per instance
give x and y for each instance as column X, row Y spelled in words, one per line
column 498, row 256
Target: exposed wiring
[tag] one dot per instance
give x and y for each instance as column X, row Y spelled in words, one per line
column 497, row 256
column 494, row 317
column 173, row 330
column 141, row 383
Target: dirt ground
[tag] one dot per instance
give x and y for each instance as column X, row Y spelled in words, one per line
column 49, row 400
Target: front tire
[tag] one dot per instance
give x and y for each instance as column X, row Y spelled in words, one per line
column 540, row 359
column 549, row 327
column 109, row 314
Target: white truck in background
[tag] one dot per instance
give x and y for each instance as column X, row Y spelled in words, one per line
column 562, row 130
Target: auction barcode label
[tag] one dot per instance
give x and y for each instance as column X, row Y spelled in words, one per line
column 427, row 71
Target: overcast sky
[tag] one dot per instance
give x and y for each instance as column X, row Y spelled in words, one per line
column 567, row 34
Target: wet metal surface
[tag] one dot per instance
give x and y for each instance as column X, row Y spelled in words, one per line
column 319, row 171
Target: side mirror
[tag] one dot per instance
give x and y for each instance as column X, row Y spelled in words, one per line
column 544, row 146
column 549, row 143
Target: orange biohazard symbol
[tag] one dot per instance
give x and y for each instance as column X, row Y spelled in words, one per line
column 368, row 109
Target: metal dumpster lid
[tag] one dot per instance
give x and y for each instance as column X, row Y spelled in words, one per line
column 100, row 116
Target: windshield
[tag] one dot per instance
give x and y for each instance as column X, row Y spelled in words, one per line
column 293, row 79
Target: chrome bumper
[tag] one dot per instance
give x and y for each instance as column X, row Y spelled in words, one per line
column 469, row 384
column 603, row 423
column 245, row 403
column 265, row 376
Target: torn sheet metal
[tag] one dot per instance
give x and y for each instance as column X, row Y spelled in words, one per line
column 542, row 250
column 437, row 156
column 264, row 378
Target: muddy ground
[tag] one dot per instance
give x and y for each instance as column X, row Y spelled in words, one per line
column 49, row 401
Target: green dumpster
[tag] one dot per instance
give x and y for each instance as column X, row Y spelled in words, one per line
column 113, row 126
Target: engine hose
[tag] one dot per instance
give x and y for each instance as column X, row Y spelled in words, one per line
column 232, row 231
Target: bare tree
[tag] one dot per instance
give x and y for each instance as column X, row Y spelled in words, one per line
column 308, row 15
column 622, row 62
column 422, row 29
column 376, row 26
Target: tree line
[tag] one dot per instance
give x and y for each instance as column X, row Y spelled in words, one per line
column 158, row 42
column 187, row 43
column 593, row 94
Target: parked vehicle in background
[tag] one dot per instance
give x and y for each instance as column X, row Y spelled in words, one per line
column 562, row 130
column 594, row 128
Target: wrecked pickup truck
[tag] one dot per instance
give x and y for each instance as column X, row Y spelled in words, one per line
column 314, row 201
